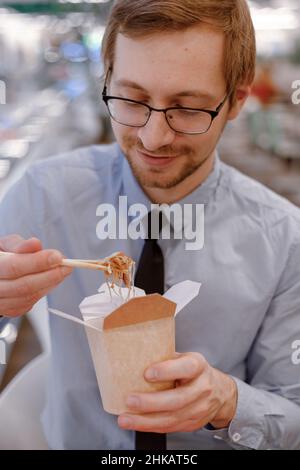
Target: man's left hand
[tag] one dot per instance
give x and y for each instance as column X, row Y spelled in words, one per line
column 203, row 395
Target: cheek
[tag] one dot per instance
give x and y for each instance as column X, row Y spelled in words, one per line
column 124, row 135
column 117, row 129
column 201, row 143
column 213, row 136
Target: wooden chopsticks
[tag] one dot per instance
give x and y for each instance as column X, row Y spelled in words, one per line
column 97, row 265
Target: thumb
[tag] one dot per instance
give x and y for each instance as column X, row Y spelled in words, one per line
column 17, row 244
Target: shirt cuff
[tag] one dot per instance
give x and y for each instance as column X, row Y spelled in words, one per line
column 247, row 429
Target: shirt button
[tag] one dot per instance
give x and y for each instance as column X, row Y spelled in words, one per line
column 236, row 437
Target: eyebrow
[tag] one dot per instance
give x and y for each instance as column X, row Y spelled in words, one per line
column 183, row 94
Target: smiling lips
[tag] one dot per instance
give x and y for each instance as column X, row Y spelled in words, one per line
column 156, row 160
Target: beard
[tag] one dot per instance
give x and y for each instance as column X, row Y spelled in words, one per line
column 158, row 177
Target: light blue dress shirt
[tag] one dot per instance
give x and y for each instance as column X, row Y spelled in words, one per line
column 245, row 320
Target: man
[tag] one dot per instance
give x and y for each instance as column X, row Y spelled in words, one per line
column 237, row 386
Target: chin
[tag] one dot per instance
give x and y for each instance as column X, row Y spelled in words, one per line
column 157, row 180
column 156, row 184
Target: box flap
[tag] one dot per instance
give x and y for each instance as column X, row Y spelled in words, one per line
column 183, row 293
column 140, row 310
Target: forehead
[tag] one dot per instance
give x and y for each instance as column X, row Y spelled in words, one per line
column 173, row 60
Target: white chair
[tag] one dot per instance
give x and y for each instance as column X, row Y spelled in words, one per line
column 21, row 405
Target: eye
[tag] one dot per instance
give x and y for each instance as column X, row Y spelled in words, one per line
column 187, row 112
column 131, row 104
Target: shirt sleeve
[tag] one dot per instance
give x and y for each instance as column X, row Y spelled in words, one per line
column 20, row 212
column 268, row 411
column 19, row 208
column 3, row 321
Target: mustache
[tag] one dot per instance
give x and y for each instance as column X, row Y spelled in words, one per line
column 166, row 151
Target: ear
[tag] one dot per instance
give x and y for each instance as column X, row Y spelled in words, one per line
column 241, row 95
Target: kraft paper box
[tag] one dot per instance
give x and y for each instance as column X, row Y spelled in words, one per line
column 131, row 336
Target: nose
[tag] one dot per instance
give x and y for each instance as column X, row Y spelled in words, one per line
column 156, row 133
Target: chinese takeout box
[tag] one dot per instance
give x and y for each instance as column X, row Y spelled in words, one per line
column 131, row 336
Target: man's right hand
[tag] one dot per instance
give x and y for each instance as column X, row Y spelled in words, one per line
column 28, row 274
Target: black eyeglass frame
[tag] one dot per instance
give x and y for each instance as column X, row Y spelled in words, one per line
column 213, row 114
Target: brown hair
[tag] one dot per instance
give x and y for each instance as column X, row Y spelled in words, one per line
column 139, row 18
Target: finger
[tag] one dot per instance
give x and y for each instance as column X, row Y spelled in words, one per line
column 185, row 366
column 17, row 306
column 18, row 265
column 17, row 244
column 188, row 426
column 194, row 416
column 29, row 246
column 154, row 422
column 167, row 400
column 27, row 286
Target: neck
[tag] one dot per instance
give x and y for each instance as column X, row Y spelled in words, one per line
column 183, row 189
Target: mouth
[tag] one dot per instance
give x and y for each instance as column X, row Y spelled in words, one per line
column 157, row 160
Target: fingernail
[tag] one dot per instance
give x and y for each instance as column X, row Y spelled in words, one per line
column 125, row 421
column 151, row 374
column 54, row 259
column 66, row 270
column 33, row 239
column 133, row 402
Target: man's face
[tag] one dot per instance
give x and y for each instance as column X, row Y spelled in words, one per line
column 164, row 70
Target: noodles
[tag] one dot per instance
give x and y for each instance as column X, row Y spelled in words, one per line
column 120, row 271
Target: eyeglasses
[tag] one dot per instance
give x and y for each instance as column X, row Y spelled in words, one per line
column 183, row 120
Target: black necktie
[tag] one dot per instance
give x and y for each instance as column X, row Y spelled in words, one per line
column 150, row 277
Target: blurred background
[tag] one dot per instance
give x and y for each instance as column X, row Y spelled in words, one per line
column 50, row 102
